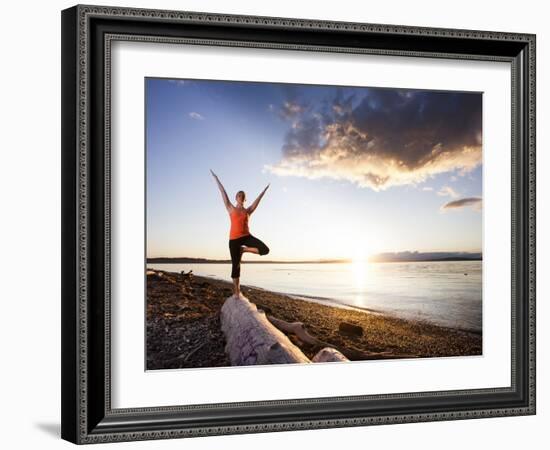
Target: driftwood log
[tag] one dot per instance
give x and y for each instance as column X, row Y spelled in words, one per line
column 251, row 339
column 329, row 354
column 297, row 328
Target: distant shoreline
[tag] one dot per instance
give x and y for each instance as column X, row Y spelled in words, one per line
column 184, row 260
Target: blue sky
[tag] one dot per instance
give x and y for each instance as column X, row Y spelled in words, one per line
column 353, row 171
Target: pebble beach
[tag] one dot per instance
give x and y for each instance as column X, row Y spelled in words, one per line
column 184, row 330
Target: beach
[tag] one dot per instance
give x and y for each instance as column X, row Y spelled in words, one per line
column 444, row 293
column 183, row 325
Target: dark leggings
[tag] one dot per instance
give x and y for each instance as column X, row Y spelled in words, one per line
column 235, row 250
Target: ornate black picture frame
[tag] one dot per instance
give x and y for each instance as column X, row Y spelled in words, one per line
column 87, row 34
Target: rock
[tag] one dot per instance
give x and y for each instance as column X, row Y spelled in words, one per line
column 350, row 329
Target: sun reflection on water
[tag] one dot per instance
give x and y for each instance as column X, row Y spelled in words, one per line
column 361, row 272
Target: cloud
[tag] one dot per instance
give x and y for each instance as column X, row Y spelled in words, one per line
column 196, row 116
column 294, row 107
column 427, row 188
column 474, row 202
column 386, row 137
column 447, row 191
column 290, row 110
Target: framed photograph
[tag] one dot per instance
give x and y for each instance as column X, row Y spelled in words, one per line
column 267, row 221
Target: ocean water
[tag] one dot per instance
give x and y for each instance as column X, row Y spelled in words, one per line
column 443, row 293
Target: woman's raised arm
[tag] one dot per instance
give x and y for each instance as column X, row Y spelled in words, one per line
column 256, row 202
column 225, row 198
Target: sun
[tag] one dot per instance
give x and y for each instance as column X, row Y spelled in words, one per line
column 361, row 255
column 360, row 267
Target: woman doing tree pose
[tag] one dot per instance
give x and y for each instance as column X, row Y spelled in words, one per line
column 240, row 239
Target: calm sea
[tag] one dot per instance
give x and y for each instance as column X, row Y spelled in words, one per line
column 444, row 293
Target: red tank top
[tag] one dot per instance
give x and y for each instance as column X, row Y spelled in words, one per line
column 239, row 223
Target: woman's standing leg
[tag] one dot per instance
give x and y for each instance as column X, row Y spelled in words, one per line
column 235, row 251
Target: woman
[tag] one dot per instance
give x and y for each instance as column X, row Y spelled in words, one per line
column 240, row 239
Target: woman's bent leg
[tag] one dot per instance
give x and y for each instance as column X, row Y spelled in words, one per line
column 255, row 243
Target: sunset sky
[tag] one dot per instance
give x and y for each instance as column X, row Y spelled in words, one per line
column 353, row 171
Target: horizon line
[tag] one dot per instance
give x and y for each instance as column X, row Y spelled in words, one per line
column 380, row 257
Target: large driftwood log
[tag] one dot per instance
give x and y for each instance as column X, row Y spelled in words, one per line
column 252, row 339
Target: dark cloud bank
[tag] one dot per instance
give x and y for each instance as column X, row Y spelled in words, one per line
column 388, row 137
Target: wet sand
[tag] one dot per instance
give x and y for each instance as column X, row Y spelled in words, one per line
column 183, row 326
